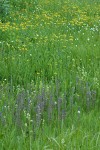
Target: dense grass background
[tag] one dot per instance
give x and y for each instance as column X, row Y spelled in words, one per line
column 49, row 74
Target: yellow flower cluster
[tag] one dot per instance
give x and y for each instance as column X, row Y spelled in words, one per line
column 43, row 25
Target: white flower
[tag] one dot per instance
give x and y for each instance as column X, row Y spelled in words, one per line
column 79, row 112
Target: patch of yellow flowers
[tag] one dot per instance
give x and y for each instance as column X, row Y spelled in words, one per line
column 49, row 23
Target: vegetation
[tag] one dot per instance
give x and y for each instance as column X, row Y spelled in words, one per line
column 49, row 75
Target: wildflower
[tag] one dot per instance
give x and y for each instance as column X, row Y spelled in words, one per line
column 79, row 112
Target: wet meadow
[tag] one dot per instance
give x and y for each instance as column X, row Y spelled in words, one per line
column 50, row 75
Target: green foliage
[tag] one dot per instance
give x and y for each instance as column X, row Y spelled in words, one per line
column 4, row 9
column 49, row 74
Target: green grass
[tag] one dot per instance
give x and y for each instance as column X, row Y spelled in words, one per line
column 49, row 75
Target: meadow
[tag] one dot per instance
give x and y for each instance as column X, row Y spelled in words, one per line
column 50, row 75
